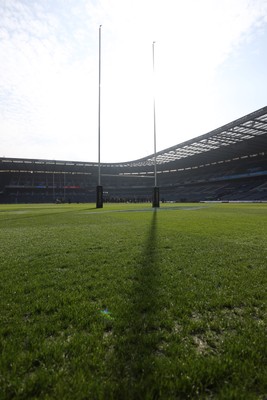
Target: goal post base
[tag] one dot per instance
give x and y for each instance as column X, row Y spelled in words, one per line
column 155, row 202
column 99, row 197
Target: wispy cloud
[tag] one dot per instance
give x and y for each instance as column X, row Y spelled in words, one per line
column 49, row 67
column 41, row 82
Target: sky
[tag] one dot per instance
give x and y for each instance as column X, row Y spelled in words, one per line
column 210, row 68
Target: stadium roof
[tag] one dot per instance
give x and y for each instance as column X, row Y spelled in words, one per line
column 243, row 137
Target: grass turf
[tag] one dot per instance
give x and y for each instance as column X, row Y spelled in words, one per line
column 184, row 288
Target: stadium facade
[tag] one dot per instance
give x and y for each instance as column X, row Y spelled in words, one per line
column 228, row 163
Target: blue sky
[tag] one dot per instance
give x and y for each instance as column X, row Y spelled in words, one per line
column 210, row 68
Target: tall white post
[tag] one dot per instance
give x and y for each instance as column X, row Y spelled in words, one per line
column 99, row 188
column 155, row 202
column 99, row 107
column 154, row 111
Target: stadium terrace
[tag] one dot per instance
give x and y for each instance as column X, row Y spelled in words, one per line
column 226, row 164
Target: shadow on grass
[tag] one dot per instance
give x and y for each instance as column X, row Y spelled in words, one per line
column 139, row 328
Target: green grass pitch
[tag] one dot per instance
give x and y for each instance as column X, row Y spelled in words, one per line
column 127, row 302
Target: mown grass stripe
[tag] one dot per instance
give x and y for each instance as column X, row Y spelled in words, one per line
column 186, row 292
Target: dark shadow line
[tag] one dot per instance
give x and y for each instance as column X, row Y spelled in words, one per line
column 137, row 337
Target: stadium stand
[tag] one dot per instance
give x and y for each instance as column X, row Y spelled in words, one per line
column 226, row 164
